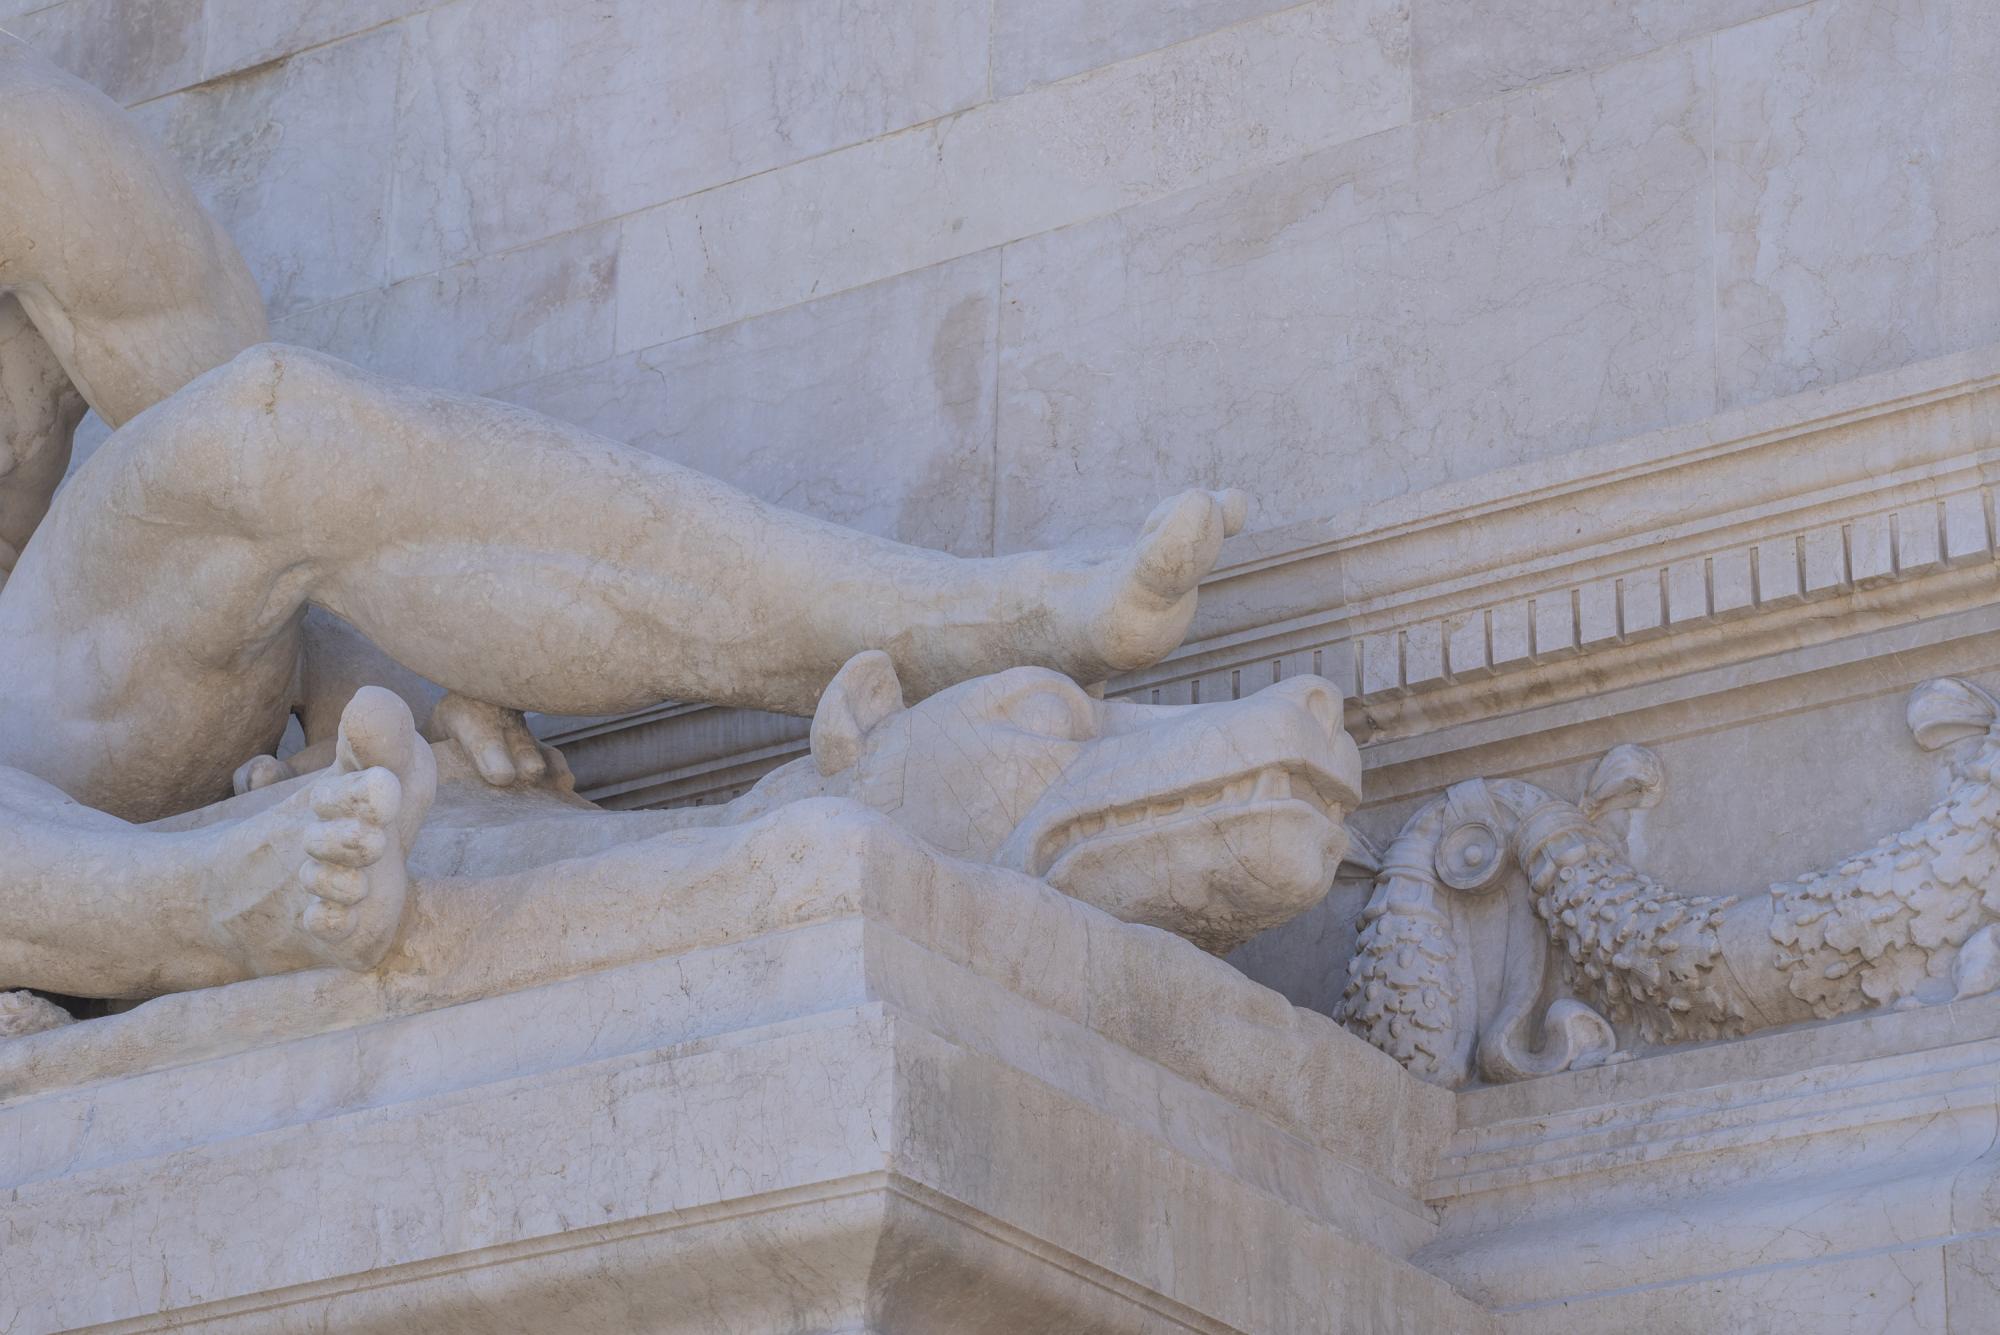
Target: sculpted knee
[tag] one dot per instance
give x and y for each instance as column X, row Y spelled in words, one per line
column 253, row 379
column 251, row 405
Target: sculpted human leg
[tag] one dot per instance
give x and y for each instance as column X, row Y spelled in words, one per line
column 525, row 562
column 509, row 557
column 118, row 288
column 92, row 906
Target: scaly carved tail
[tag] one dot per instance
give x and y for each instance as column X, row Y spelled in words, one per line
column 1913, row 918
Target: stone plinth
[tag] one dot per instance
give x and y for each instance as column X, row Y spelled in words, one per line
column 951, row 1099
column 1840, row 1178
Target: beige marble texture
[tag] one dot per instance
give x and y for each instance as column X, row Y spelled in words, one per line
column 1603, row 373
column 1470, row 50
column 637, row 1143
column 308, row 209
column 1836, row 1177
column 872, row 408
column 1831, row 150
column 243, row 34
column 1970, row 232
column 1199, row 112
column 131, row 49
column 1286, row 316
column 519, row 120
column 164, row 621
column 480, row 326
column 1042, row 41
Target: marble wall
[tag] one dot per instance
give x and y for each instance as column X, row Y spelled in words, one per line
column 991, row 273
column 986, row 274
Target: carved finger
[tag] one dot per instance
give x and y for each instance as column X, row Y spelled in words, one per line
column 1235, row 505
column 1180, row 544
column 347, row 843
column 372, row 795
column 493, row 762
column 557, row 766
column 527, row 754
column 375, row 730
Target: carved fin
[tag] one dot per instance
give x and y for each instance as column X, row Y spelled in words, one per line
column 1977, row 968
column 1948, row 709
column 1629, row 778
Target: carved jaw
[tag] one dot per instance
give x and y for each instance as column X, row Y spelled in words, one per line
column 1213, row 821
column 1218, row 874
column 1268, row 791
column 1244, row 830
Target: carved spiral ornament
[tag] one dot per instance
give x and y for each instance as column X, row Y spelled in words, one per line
column 1470, row 855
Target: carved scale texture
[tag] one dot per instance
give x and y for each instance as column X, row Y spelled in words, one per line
column 1402, row 993
column 1870, row 931
column 1642, row 954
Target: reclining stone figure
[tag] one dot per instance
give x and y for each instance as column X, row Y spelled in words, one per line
column 1213, row 821
column 152, row 626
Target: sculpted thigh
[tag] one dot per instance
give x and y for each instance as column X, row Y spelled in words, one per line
column 136, row 675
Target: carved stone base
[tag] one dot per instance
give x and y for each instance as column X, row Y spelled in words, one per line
column 970, row 1104
column 1842, row 1178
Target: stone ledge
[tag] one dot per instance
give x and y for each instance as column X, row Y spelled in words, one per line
column 1052, row 1111
column 1839, row 1170
column 1790, row 524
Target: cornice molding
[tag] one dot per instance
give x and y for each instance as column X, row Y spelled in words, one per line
column 1799, row 521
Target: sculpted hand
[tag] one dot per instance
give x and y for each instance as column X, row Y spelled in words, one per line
column 498, row 743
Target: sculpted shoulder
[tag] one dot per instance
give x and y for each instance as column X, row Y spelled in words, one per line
column 135, row 310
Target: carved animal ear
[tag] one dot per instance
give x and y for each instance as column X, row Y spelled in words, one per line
column 1945, row 709
column 861, row 695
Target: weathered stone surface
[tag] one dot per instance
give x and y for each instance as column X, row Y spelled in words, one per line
column 1300, row 308
column 130, row 49
column 1470, row 50
column 1605, row 373
column 185, row 586
column 310, row 211
column 677, row 99
column 1868, row 1144
column 243, row 34
column 479, row 326
column 1831, row 151
column 1041, row 41
column 1196, row 113
column 694, row 1178
column 872, row 408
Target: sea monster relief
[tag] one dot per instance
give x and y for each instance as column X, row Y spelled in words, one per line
column 1623, row 961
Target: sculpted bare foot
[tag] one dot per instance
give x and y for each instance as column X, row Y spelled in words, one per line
column 322, row 878
column 1138, row 603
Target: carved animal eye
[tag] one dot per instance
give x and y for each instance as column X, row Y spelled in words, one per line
column 1049, row 713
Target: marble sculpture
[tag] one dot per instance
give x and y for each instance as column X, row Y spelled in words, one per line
column 262, row 517
column 1914, row 918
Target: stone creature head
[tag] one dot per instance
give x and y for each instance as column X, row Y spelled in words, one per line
column 1214, row 821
